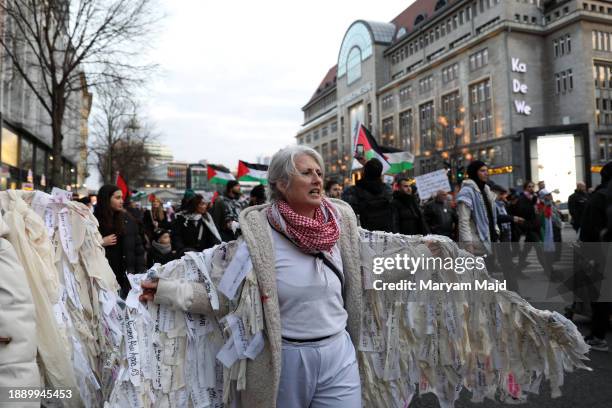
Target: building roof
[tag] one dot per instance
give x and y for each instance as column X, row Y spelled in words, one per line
column 405, row 20
column 382, row 32
column 328, row 82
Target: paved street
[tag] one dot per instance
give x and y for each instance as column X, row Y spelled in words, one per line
column 583, row 388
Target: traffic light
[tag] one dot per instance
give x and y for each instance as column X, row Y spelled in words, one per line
column 460, row 174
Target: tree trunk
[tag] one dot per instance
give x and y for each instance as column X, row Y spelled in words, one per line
column 57, row 118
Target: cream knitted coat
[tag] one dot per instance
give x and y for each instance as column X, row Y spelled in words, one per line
column 18, row 366
column 263, row 373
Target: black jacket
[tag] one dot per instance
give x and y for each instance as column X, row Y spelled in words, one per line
column 154, row 256
column 371, row 201
column 575, row 204
column 593, row 227
column 525, row 208
column 441, row 218
column 408, row 215
column 128, row 255
column 192, row 235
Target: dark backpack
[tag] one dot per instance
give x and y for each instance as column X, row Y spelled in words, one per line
column 375, row 211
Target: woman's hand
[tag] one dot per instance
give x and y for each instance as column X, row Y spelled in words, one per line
column 149, row 288
column 109, row 240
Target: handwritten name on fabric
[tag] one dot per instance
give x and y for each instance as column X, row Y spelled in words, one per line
column 235, row 272
column 132, row 349
column 199, row 267
column 65, row 232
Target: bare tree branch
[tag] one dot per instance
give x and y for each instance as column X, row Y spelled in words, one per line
column 53, row 42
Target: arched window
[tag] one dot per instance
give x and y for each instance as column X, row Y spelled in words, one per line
column 358, row 36
column 419, row 19
column 353, row 65
column 440, row 4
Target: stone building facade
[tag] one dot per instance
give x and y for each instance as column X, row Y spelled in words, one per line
column 524, row 85
column 26, row 138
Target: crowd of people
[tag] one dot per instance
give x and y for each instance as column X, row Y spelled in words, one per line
column 482, row 216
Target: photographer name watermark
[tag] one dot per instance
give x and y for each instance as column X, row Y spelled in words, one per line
column 430, row 285
column 411, row 265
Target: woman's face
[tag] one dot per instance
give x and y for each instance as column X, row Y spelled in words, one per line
column 116, row 201
column 483, row 173
column 156, row 204
column 305, row 189
column 202, row 207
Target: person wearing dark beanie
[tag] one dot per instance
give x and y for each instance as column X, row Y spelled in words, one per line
column 475, row 202
column 226, row 210
column 370, row 198
column 595, row 227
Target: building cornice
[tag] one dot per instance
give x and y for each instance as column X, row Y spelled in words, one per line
column 323, row 94
column 501, row 26
column 329, row 114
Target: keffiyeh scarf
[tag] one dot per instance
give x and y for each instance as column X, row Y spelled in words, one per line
column 310, row 235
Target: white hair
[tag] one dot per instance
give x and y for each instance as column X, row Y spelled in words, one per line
column 282, row 167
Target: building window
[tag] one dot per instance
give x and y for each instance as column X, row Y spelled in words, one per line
column 562, row 45
column 564, row 81
column 26, row 155
column 604, row 143
column 427, row 125
column 601, row 41
column 308, row 139
column 315, row 135
column 479, row 59
column 334, row 127
column 324, row 131
column 602, row 75
column 426, row 84
column 387, row 134
column 603, row 112
column 387, row 102
column 9, row 148
column 40, row 161
column 481, row 110
column 450, row 121
column 353, row 65
column 404, row 94
column 405, row 130
column 450, row 73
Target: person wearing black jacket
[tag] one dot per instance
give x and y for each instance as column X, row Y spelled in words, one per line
column 408, row 215
column 121, row 236
column 161, row 251
column 525, row 208
column 370, row 198
column 194, row 229
column 576, row 203
column 440, row 217
column 595, row 227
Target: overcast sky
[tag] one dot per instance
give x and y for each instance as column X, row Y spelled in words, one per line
column 234, row 75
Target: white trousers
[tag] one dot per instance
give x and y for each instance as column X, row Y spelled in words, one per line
column 321, row 374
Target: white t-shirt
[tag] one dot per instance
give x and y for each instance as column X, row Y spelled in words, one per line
column 309, row 293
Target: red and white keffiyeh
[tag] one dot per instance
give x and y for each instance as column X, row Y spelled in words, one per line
column 310, row 235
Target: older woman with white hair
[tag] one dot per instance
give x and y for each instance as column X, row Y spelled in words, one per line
column 307, row 258
column 303, row 247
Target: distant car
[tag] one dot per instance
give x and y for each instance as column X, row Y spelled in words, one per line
column 563, row 209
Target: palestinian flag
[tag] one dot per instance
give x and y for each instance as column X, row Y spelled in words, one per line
column 371, row 149
column 120, row 182
column 218, row 175
column 399, row 162
column 252, row 172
